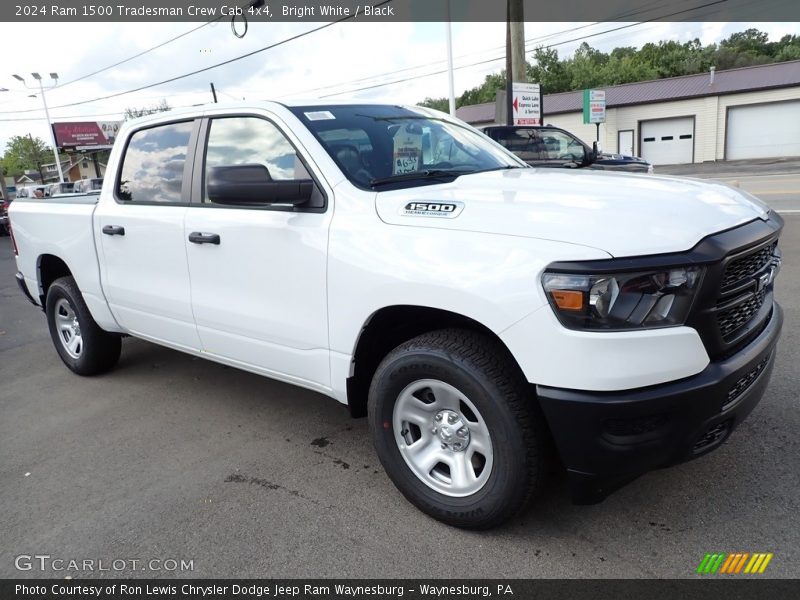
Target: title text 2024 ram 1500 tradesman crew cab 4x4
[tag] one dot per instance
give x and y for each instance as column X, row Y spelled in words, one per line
column 398, row 260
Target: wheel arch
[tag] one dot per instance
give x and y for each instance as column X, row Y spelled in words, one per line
column 49, row 267
column 389, row 327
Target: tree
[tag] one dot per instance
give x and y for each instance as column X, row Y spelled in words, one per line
column 24, row 153
column 589, row 68
column 133, row 112
column 442, row 104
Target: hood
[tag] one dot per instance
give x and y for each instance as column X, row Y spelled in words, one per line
column 625, row 157
column 624, row 215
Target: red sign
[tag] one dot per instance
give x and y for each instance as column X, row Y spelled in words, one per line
column 88, row 135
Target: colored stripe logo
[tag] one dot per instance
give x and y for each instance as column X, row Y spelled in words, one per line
column 734, row 564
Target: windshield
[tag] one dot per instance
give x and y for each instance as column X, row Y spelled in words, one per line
column 378, row 145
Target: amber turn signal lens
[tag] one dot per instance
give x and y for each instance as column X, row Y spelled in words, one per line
column 568, row 299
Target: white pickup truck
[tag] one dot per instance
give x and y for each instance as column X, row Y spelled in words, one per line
column 479, row 311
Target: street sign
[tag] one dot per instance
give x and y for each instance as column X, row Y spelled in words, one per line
column 526, row 103
column 594, row 106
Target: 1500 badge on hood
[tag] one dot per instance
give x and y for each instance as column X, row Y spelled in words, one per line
column 446, row 210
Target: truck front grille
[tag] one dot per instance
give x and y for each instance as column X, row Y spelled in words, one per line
column 732, row 320
column 748, row 265
column 744, row 286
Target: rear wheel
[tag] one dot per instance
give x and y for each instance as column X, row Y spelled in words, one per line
column 455, row 428
column 82, row 345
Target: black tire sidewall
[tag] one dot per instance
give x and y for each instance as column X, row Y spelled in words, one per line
column 100, row 350
column 505, row 489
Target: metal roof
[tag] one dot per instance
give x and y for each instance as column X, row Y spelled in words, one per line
column 747, row 79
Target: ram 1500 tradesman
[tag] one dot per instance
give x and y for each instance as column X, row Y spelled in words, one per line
column 477, row 310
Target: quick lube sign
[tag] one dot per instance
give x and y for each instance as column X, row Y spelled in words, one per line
column 594, row 106
column 526, row 103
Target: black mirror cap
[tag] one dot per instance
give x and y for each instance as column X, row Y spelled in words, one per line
column 591, row 157
column 252, row 185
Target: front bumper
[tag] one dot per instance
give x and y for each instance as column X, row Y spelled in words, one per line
column 607, row 439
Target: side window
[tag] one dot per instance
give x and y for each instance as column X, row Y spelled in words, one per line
column 559, row 146
column 251, row 141
column 152, row 168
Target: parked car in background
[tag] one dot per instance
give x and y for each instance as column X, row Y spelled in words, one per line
column 30, row 191
column 549, row 146
column 60, row 189
column 4, row 227
column 88, row 186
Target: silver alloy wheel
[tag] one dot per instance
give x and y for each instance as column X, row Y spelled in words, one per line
column 69, row 329
column 442, row 437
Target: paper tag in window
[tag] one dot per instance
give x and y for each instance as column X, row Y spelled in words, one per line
column 319, row 115
column 407, row 150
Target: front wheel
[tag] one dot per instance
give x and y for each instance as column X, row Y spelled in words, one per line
column 456, row 429
column 82, row 345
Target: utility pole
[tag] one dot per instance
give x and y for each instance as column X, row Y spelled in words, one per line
column 515, row 53
column 451, row 85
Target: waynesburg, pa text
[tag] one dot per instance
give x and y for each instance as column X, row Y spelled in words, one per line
column 76, row 590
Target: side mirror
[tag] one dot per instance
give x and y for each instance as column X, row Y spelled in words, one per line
column 591, row 157
column 252, row 184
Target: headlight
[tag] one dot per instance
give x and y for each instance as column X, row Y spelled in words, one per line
column 613, row 301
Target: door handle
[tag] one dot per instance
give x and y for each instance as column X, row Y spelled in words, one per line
column 204, row 238
column 113, row 230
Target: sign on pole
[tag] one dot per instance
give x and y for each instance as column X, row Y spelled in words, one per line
column 526, row 103
column 594, row 106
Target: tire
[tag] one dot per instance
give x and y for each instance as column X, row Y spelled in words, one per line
column 82, row 345
column 461, row 396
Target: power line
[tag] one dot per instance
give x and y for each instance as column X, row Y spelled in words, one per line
column 204, row 69
column 135, row 56
column 405, row 79
column 642, row 9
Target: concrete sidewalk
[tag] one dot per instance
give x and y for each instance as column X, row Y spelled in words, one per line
column 733, row 168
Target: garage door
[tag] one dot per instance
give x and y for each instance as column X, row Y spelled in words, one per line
column 668, row 141
column 763, row 131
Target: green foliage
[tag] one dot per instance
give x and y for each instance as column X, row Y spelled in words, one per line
column 24, row 154
column 591, row 68
column 441, row 104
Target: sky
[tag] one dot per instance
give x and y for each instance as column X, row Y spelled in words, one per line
column 337, row 61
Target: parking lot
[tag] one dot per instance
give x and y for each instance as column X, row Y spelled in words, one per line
column 171, row 457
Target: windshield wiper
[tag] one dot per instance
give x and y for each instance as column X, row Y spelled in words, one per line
column 427, row 174
column 503, row 168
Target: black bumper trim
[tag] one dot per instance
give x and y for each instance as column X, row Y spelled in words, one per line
column 607, row 439
column 24, row 288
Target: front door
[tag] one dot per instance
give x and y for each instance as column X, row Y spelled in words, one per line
column 259, row 273
column 140, row 233
column 625, row 142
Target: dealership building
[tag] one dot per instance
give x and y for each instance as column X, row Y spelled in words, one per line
column 738, row 114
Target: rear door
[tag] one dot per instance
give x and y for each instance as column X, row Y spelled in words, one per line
column 259, row 287
column 139, row 229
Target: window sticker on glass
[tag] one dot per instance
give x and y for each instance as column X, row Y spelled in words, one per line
column 407, row 149
column 319, row 115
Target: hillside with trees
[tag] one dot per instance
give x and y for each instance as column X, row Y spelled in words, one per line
column 591, row 68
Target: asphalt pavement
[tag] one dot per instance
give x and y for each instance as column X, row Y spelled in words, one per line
column 170, row 457
column 776, row 182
